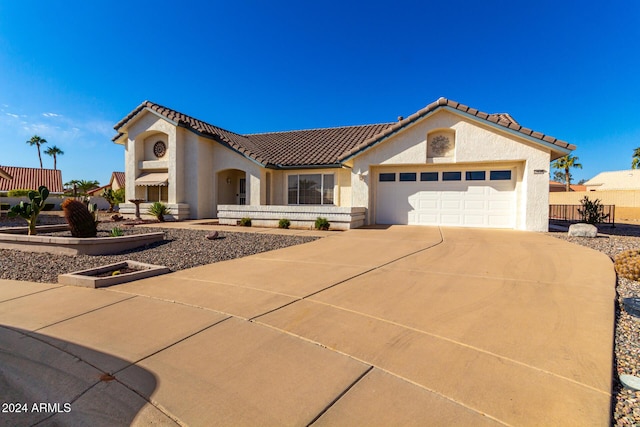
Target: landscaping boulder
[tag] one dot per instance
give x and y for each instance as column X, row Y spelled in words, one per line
column 212, row 236
column 583, row 230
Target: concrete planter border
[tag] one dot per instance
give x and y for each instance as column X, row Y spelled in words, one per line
column 77, row 246
column 88, row 278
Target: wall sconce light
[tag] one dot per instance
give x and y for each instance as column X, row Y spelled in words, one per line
column 228, row 180
column 361, row 176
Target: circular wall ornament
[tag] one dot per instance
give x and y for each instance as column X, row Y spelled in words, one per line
column 440, row 145
column 159, row 149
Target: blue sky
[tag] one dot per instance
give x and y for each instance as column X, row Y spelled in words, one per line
column 70, row 70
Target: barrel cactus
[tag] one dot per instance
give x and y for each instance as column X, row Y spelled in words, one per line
column 627, row 264
column 30, row 210
column 81, row 222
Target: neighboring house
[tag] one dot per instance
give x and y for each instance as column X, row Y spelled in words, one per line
column 556, row 187
column 116, row 182
column 446, row 164
column 4, row 174
column 615, row 180
column 31, row 179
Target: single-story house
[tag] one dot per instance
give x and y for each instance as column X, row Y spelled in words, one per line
column 556, row 187
column 615, row 180
column 4, row 174
column 447, row 164
column 116, row 182
column 31, row 179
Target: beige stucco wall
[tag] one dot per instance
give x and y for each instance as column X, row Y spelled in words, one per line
column 474, row 143
column 144, row 129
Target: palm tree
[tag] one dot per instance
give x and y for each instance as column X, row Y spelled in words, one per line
column 565, row 163
column 55, row 152
column 37, row 141
column 635, row 162
column 85, row 186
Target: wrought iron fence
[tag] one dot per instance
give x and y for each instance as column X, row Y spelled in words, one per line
column 570, row 213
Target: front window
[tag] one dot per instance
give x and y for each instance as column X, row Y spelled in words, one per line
column 158, row 193
column 311, row 189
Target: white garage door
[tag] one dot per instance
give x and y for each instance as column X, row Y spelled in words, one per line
column 470, row 198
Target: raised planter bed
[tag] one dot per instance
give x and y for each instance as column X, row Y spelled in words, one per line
column 109, row 275
column 77, row 246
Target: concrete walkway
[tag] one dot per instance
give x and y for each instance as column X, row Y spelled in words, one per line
column 391, row 326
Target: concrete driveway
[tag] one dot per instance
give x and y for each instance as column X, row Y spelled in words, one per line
column 390, row 326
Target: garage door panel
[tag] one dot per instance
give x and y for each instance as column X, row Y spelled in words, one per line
column 453, row 203
column 475, row 204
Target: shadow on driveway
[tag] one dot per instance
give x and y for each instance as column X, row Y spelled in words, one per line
column 39, row 383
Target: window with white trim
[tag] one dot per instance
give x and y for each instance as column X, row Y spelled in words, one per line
column 310, row 189
column 158, row 193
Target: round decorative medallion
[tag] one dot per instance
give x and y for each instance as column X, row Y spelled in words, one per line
column 440, row 145
column 159, row 149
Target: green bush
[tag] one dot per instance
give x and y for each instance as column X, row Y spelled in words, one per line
column 322, row 223
column 116, row 232
column 592, row 212
column 245, row 222
column 18, row 193
column 284, row 223
column 159, row 210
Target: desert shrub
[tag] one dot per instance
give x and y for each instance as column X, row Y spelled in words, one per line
column 284, row 223
column 322, row 223
column 21, row 192
column 592, row 211
column 627, row 264
column 81, row 222
column 116, row 232
column 245, row 222
column 159, row 210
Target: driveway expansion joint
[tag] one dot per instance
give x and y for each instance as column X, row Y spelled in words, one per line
column 340, row 395
column 82, row 314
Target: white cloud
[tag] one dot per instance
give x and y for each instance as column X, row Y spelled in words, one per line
column 51, row 115
column 15, row 116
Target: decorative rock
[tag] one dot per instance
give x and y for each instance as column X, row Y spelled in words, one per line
column 632, row 306
column 212, row 236
column 583, row 230
column 630, row 381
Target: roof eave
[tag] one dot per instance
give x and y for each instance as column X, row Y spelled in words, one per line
column 315, row 166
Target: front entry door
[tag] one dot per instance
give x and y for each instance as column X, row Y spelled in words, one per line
column 242, row 191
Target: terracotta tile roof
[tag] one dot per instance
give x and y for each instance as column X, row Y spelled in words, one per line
column 31, row 179
column 329, row 146
column 501, row 119
column 316, row 146
column 558, row 186
column 235, row 141
column 4, row 174
column 118, row 177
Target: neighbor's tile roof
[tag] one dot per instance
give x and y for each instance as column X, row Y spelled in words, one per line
column 329, row 146
column 118, row 177
column 31, row 179
column 4, row 174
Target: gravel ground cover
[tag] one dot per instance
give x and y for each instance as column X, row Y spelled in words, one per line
column 181, row 249
column 612, row 241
